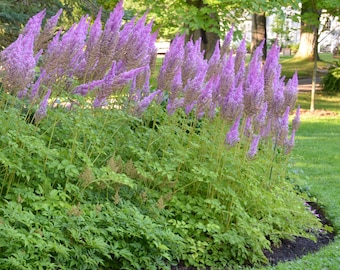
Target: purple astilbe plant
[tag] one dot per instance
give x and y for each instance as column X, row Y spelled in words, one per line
column 281, row 129
column 232, row 106
column 233, row 136
column 227, row 78
column 240, row 63
column 248, row 128
column 253, row 93
column 92, row 48
column 42, row 110
column 113, row 83
column 214, row 63
column 260, row 118
column 205, row 97
column 254, row 146
column 145, row 102
column 172, row 62
column 225, row 49
column 290, row 143
column 19, row 64
column 34, row 24
column 296, row 120
column 108, row 42
column 291, row 91
column 272, row 71
column 47, row 32
column 36, row 86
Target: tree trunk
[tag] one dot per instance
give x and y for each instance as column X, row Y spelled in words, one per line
column 310, row 16
column 259, row 33
column 209, row 39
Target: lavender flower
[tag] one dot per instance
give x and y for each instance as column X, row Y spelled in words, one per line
column 42, row 110
column 232, row 106
column 254, row 146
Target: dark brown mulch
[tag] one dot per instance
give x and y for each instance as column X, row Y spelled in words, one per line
column 291, row 250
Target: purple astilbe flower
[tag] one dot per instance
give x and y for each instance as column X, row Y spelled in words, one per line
column 214, row 63
column 19, row 63
column 291, row 91
column 48, row 32
column 233, row 135
column 240, row 57
column 266, row 129
column 227, row 42
column 248, row 128
column 35, row 87
column 232, row 106
column 108, row 42
column 260, row 119
column 172, row 62
column 193, row 62
column 290, row 143
column 174, row 104
column 42, row 110
column 205, row 97
column 254, row 84
column 282, row 128
column 227, row 79
column 296, row 120
column 176, row 86
column 92, row 47
column 34, row 24
column 113, row 83
column 85, row 88
column 145, row 102
column 254, row 146
column 277, row 103
column 272, row 71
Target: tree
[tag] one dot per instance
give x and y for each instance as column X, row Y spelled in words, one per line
column 310, row 21
column 259, row 32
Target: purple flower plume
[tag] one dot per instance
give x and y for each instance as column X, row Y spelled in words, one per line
column 296, row 120
column 34, row 24
column 233, row 135
column 42, row 110
column 254, row 146
column 227, row 42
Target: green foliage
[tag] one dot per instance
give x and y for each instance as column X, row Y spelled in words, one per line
column 99, row 189
column 48, row 231
column 331, row 82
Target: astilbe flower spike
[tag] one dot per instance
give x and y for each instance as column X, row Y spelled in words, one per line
column 34, row 24
column 47, row 32
column 19, row 63
column 171, row 63
column 42, row 110
column 254, row 146
column 233, row 135
column 227, row 42
column 296, row 120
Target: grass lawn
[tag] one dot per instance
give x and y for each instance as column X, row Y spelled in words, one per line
column 304, row 67
column 316, row 159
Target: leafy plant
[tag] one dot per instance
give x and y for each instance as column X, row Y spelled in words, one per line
column 331, row 81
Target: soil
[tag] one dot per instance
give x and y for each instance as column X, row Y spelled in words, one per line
column 292, row 250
